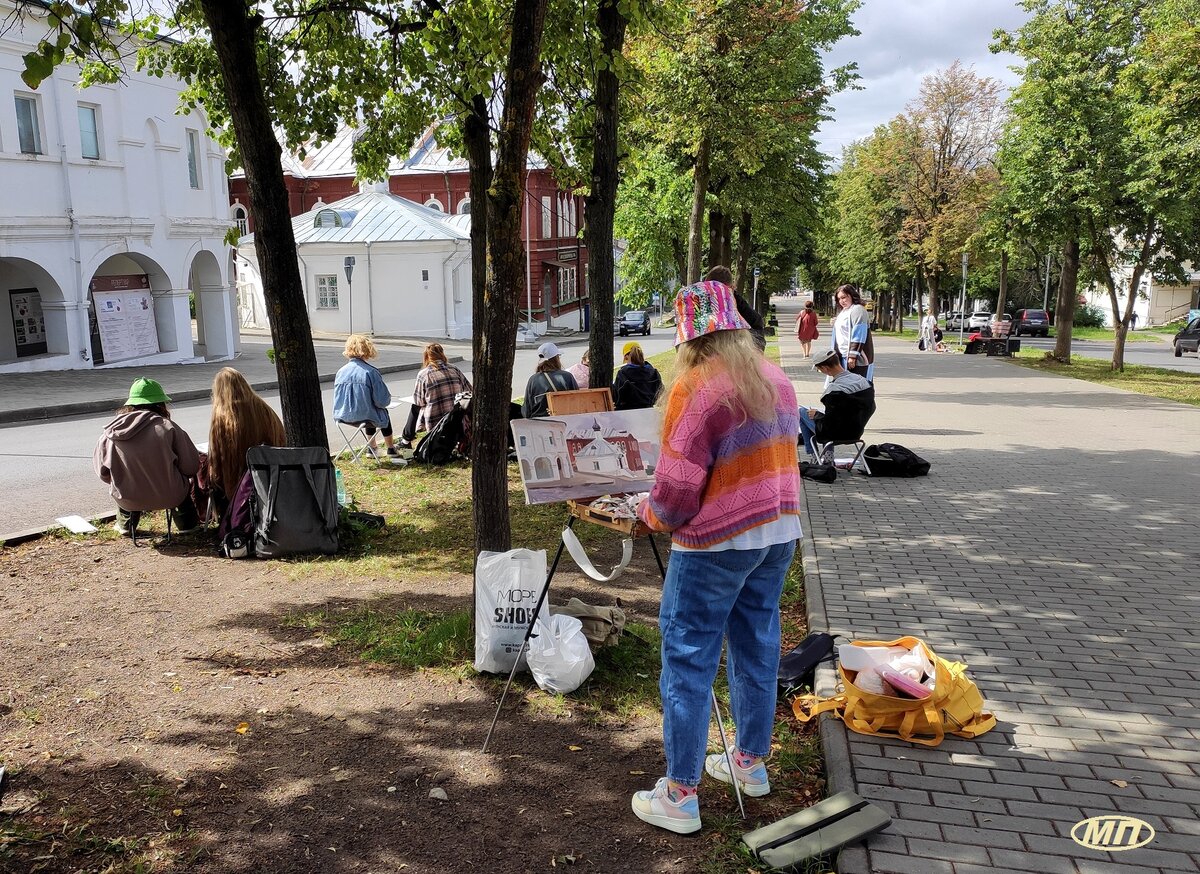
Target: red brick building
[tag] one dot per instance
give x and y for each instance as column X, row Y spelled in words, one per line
column 551, row 227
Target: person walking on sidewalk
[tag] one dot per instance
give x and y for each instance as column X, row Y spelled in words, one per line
column 727, row 487
column 852, row 331
column 148, row 461
column 806, row 328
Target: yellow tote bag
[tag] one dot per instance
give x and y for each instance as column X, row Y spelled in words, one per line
column 956, row 705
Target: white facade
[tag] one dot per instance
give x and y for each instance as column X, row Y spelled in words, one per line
column 411, row 274
column 1156, row 304
column 107, row 194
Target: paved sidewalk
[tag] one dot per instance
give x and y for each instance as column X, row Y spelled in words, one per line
column 25, row 397
column 1054, row 549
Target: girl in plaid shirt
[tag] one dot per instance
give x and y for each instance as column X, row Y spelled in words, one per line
column 437, row 384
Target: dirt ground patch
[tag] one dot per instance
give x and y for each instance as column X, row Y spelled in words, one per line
column 159, row 711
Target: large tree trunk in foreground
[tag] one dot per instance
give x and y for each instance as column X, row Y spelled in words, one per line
column 1064, row 315
column 496, row 321
column 696, row 222
column 601, row 203
column 478, row 144
column 233, row 37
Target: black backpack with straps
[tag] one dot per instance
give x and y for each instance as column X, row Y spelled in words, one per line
column 295, row 506
column 892, row 459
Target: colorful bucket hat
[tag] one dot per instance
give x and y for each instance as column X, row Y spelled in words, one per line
column 144, row 392
column 704, row 308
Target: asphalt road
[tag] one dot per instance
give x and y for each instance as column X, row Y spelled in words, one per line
column 1147, row 353
column 46, row 466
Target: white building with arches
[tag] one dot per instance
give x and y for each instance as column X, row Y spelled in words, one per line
column 113, row 221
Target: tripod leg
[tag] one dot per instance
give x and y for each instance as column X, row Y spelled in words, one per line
column 737, row 789
column 662, row 569
column 528, row 634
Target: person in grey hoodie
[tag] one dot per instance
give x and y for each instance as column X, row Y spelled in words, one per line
column 147, row 460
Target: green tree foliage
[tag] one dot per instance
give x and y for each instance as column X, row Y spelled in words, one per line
column 1099, row 141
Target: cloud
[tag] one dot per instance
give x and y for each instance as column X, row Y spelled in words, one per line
column 902, row 41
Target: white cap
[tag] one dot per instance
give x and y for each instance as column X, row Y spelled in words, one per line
column 547, row 351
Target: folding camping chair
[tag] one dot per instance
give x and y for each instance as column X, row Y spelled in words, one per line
column 357, row 442
column 844, row 422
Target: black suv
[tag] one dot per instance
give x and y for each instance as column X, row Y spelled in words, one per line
column 634, row 322
column 1035, row 323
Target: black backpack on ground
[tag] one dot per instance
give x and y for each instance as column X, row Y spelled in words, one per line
column 892, row 459
column 294, row 506
column 822, row 473
column 447, row 439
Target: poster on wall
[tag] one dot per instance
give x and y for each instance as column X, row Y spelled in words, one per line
column 125, row 316
column 29, row 326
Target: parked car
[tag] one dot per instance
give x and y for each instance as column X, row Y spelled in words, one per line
column 634, row 322
column 1188, row 339
column 978, row 319
column 953, row 320
column 1035, row 323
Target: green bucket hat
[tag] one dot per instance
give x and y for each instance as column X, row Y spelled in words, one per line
column 146, row 391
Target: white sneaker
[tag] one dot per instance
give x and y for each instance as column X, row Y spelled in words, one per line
column 120, row 529
column 753, row 780
column 656, row 807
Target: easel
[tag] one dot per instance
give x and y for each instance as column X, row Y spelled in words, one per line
column 597, row 400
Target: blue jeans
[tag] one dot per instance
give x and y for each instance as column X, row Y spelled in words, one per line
column 808, row 430
column 707, row 597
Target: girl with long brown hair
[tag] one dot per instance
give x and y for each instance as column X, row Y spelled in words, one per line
column 240, row 419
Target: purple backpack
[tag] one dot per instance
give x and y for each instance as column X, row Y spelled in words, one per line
column 237, row 525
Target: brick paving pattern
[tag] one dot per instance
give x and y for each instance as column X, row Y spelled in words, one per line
column 1054, row 549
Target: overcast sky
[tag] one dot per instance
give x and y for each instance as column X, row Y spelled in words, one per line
column 902, row 41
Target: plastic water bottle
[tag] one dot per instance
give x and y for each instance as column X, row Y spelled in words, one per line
column 341, row 488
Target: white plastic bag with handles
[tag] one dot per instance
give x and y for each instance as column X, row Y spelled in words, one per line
column 507, row 585
column 559, row 656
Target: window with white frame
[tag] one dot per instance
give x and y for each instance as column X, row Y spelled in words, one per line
column 566, row 284
column 547, row 218
column 29, row 124
column 434, row 203
column 89, row 131
column 327, row 292
column 239, row 219
column 193, row 158
column 562, row 216
column 464, row 208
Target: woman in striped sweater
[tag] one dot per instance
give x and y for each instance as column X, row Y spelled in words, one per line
column 727, row 487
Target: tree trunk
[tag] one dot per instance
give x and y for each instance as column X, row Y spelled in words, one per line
column 1064, row 315
column 496, row 321
column 601, row 202
column 716, row 223
column 1003, row 298
column 932, row 279
column 233, row 32
column 726, row 239
column 478, row 146
column 696, row 223
column 743, row 253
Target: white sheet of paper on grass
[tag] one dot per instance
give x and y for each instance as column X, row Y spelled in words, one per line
column 76, row 524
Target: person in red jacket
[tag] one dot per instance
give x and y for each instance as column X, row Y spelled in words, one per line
column 806, row 328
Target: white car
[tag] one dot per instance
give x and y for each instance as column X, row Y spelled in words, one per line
column 978, row 319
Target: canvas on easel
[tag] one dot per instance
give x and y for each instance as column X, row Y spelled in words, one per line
column 585, row 455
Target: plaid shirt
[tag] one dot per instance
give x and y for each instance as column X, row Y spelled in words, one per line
column 436, row 387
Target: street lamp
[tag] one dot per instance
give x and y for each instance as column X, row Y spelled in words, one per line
column 962, row 300
column 348, row 264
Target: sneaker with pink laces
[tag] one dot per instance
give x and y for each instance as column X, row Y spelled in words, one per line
column 656, row 807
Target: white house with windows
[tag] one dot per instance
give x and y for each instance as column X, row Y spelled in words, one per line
column 410, row 273
column 1157, row 303
column 114, row 217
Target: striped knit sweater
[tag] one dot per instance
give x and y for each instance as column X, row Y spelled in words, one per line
column 718, row 475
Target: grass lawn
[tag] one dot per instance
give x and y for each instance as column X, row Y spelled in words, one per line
column 907, row 334
column 1159, row 382
column 1110, row 335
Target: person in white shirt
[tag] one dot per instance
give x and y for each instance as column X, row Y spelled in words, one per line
column 928, row 329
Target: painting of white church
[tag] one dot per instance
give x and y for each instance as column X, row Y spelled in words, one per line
column 587, row 455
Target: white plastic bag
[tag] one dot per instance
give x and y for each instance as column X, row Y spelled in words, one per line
column 559, row 656
column 507, row 585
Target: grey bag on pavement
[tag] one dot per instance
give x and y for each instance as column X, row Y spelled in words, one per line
column 295, row 501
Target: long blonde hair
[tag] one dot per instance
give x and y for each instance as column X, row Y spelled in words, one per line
column 240, row 419
column 736, row 353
